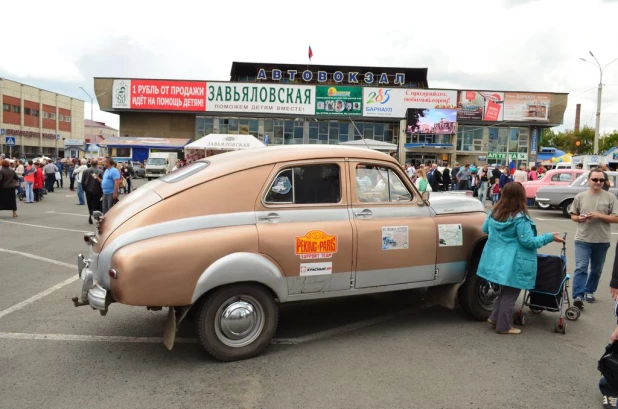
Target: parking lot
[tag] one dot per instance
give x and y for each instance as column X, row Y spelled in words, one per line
column 390, row 350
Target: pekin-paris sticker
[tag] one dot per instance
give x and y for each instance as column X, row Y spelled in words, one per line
column 315, row 245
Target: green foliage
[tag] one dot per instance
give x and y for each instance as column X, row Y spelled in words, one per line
column 567, row 141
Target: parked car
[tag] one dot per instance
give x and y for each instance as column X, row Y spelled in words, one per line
column 562, row 196
column 235, row 235
column 138, row 169
column 554, row 177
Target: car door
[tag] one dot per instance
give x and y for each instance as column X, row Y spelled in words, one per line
column 304, row 225
column 396, row 237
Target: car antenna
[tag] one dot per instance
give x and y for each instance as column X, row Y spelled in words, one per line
column 361, row 135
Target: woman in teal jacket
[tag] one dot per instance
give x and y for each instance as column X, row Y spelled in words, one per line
column 509, row 256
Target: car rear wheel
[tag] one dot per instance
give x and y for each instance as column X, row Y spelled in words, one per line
column 237, row 321
column 477, row 296
column 565, row 208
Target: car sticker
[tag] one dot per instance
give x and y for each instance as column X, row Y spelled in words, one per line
column 315, row 244
column 450, row 235
column 314, row 269
column 282, row 185
column 394, row 237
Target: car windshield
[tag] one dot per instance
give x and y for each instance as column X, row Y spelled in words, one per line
column 156, row 161
column 184, row 172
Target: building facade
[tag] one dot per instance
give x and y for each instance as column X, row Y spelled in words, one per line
column 298, row 104
column 34, row 121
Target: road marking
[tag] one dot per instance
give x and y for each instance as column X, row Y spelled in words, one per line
column 70, row 195
column 34, row 256
column 44, row 227
column 68, row 214
column 347, row 328
column 37, row 297
column 156, row 340
column 555, row 220
column 91, row 338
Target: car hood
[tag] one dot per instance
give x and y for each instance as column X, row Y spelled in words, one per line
column 454, row 202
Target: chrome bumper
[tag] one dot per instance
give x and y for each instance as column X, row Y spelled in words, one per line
column 542, row 199
column 91, row 293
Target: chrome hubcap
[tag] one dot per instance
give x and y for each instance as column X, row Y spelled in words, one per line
column 487, row 294
column 239, row 322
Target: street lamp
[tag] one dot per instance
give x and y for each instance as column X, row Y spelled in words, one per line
column 599, row 93
column 91, row 109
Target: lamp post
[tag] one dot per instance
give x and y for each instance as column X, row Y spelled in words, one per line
column 91, row 110
column 599, row 93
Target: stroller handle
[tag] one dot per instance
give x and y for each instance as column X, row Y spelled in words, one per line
column 564, row 243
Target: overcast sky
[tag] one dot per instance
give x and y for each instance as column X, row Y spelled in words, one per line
column 520, row 45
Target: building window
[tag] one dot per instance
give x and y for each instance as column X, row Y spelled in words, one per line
column 123, row 152
column 469, row 138
column 52, row 115
column 60, row 117
column 67, row 119
column 27, row 111
column 45, row 115
column 6, row 107
column 35, row 112
column 16, row 109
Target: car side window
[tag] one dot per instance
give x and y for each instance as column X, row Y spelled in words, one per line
column 565, row 177
column 380, row 184
column 306, row 184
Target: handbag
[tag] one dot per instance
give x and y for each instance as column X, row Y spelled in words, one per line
column 58, row 176
column 608, row 365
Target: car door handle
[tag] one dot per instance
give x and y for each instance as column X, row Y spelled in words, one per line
column 365, row 212
column 269, row 216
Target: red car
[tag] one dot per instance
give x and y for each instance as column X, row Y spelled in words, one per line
column 552, row 177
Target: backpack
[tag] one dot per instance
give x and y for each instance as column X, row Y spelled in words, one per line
column 608, row 365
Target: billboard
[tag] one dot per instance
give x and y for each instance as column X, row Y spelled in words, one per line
column 261, row 98
column 159, row 95
column 481, row 105
column 524, row 106
column 431, row 121
column 339, row 100
column 393, row 102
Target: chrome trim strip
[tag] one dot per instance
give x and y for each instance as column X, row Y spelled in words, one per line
column 359, row 291
column 394, row 276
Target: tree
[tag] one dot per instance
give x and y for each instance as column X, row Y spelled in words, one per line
column 568, row 140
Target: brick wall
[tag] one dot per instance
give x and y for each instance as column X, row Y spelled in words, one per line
column 49, row 123
column 10, row 117
column 64, row 125
column 29, row 118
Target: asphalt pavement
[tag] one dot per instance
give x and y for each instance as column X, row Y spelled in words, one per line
column 384, row 351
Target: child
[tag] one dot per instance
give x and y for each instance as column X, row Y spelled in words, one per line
column 495, row 192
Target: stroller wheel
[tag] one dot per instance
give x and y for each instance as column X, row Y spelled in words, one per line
column 572, row 313
column 535, row 310
column 520, row 318
column 561, row 326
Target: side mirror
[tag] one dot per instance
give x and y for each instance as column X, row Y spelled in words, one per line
column 425, row 196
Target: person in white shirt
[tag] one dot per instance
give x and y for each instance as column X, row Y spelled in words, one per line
column 19, row 170
column 77, row 174
column 520, row 175
column 411, row 171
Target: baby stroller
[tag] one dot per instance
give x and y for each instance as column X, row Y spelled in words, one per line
column 550, row 291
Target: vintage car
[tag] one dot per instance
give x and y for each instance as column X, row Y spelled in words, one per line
column 554, row 177
column 233, row 236
column 562, row 196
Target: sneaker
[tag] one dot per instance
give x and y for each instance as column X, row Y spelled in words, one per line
column 609, row 402
column 579, row 303
column 589, row 298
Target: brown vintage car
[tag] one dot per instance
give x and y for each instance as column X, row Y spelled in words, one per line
column 235, row 235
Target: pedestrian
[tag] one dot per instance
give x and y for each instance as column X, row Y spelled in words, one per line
column 607, row 183
column 19, row 170
column 495, row 192
column 29, row 175
column 421, row 183
column 593, row 211
column 463, row 177
column 77, row 175
column 483, row 184
column 8, row 181
column 60, row 169
column 495, row 174
column 72, row 166
column 509, row 256
column 110, row 183
column 533, row 175
column 39, row 182
column 50, row 175
column 446, row 178
column 520, row 175
column 454, row 173
column 436, row 178
column 126, row 172
column 92, row 188
column 505, row 178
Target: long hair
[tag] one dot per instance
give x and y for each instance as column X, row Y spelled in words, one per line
column 422, row 172
column 512, row 201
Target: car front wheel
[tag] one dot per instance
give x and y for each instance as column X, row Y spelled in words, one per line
column 565, row 208
column 237, row 321
column 477, row 296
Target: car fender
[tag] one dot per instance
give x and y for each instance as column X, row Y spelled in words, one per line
column 241, row 267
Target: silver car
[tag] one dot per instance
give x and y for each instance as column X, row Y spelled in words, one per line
column 561, row 197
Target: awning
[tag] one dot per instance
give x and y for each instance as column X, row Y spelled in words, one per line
column 371, row 144
column 225, row 142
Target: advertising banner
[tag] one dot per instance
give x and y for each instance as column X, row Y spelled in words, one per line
column 264, row 98
column 159, row 95
column 431, row 121
column 393, row 102
column 481, row 105
column 523, row 106
column 339, row 100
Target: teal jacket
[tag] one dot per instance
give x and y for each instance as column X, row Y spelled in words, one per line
column 509, row 256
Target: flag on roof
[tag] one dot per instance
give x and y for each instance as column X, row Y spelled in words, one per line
column 310, row 53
